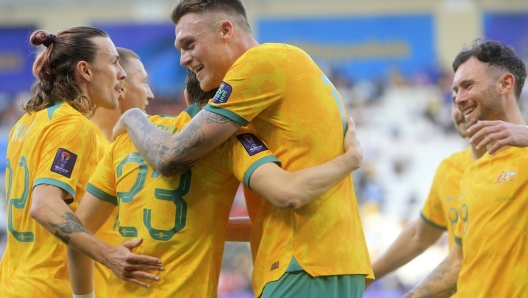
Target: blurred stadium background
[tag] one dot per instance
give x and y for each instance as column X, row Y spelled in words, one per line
column 390, row 60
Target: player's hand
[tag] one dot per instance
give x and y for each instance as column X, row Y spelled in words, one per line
column 129, row 266
column 120, row 127
column 352, row 145
column 497, row 134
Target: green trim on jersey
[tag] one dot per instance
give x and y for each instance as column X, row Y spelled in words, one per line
column 294, row 265
column 52, row 109
column 302, row 284
column 192, row 110
column 56, row 183
column 257, row 164
column 427, row 221
column 226, row 113
column 103, row 196
column 458, row 241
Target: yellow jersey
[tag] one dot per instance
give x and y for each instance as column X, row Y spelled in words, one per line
column 441, row 207
column 285, row 96
column 108, row 232
column 182, row 219
column 102, row 142
column 55, row 146
column 492, row 226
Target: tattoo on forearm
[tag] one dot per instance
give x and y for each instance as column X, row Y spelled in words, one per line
column 442, row 282
column 169, row 154
column 64, row 239
column 70, row 226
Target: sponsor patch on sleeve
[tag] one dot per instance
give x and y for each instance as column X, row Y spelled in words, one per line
column 251, row 143
column 64, row 162
column 222, row 95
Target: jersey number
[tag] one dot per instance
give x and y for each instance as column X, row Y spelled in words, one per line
column 175, row 196
column 463, row 214
column 19, row 203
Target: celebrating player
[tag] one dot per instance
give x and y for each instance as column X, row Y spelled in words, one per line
column 490, row 254
column 50, row 156
column 297, row 111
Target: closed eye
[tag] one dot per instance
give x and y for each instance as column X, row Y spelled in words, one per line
column 188, row 45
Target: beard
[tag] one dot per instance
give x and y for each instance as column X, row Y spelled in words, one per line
column 490, row 109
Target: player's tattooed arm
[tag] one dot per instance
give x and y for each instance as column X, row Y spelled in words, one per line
column 70, row 226
column 49, row 209
column 173, row 155
column 442, row 282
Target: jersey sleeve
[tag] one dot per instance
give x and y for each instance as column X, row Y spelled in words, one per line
column 248, row 152
column 68, row 154
column 102, row 183
column 432, row 211
column 255, row 82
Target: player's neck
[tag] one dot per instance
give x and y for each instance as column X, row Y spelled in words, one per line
column 245, row 43
column 513, row 115
column 106, row 120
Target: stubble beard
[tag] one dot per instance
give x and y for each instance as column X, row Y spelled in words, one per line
column 491, row 109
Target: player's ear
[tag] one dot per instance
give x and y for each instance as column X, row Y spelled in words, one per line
column 225, row 29
column 83, row 71
column 507, row 83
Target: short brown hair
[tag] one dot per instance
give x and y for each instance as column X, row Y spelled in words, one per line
column 125, row 55
column 234, row 8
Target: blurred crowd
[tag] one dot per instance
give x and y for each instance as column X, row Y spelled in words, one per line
column 405, row 129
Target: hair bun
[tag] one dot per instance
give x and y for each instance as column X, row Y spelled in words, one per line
column 41, row 37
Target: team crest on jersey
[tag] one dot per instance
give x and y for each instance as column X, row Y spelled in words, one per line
column 505, row 177
column 64, row 162
column 222, row 95
column 251, row 143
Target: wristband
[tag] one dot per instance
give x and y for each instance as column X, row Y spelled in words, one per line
column 91, row 295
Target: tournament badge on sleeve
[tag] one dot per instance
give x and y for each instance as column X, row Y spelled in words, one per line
column 251, row 143
column 64, row 162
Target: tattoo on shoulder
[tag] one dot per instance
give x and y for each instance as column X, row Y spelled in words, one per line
column 70, row 226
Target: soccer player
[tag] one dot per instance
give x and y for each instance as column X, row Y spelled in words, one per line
column 439, row 213
column 50, row 156
column 183, row 219
column 490, row 254
column 297, row 111
column 135, row 93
